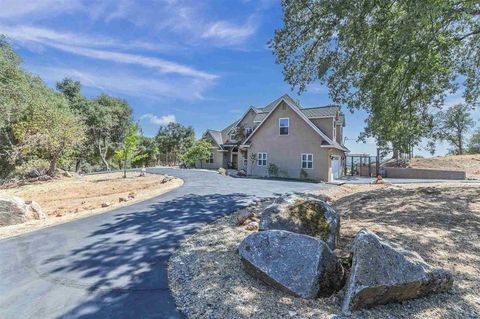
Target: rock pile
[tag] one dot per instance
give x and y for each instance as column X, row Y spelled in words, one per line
column 293, row 251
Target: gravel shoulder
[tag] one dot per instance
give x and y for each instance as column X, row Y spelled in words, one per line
column 70, row 198
column 439, row 221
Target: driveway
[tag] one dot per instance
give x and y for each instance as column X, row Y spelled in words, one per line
column 114, row 265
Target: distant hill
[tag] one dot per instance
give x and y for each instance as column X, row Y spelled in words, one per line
column 468, row 163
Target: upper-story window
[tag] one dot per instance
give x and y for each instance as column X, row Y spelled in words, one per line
column 284, row 124
column 248, row 131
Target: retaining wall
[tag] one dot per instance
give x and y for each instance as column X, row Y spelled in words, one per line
column 421, row 173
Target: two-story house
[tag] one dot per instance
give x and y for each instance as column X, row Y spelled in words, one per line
column 299, row 142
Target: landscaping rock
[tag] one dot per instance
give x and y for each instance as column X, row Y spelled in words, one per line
column 382, row 274
column 304, row 215
column 298, row 264
column 14, row 210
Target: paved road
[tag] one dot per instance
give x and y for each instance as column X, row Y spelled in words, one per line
column 113, row 265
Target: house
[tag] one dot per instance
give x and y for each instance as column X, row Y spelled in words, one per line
column 293, row 141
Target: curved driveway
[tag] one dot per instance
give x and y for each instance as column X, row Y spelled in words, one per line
column 114, row 265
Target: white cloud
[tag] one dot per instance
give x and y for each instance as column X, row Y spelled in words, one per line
column 160, row 87
column 229, row 33
column 163, row 120
column 77, row 44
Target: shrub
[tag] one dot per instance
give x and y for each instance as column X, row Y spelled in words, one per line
column 32, row 168
column 303, row 174
column 222, row 171
column 272, row 170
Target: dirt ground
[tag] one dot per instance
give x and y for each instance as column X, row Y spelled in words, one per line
column 71, row 198
column 439, row 221
column 468, row 163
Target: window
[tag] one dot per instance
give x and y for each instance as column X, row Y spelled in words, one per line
column 284, row 124
column 262, row 159
column 307, row 161
column 210, row 159
column 248, row 131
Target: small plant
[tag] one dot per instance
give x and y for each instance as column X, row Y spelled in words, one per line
column 253, row 160
column 222, row 171
column 272, row 170
column 303, row 174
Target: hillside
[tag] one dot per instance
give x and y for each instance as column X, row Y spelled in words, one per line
column 468, row 163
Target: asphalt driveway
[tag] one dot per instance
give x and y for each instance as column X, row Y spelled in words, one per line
column 113, row 265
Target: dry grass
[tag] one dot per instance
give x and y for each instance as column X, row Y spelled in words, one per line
column 66, row 199
column 468, row 163
column 441, row 222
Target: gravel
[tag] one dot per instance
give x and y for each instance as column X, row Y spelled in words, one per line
column 208, row 281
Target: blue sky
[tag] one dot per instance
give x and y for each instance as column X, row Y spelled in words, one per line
column 200, row 63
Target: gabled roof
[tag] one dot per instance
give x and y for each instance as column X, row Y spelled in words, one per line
column 216, row 136
column 261, row 114
column 321, row 111
column 295, row 107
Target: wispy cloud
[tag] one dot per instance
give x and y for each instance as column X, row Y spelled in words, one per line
column 128, row 84
column 156, row 120
column 78, row 44
column 229, row 33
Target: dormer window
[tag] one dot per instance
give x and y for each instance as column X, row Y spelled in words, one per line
column 284, row 125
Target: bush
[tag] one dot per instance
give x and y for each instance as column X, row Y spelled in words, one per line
column 222, row 171
column 303, row 174
column 272, row 170
column 33, row 168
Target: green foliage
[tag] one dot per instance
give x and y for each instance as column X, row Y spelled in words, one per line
column 222, row 171
column 474, row 143
column 452, row 126
column 198, row 151
column 303, row 174
column 47, row 129
column 40, row 165
column 129, row 148
column 397, row 60
column 174, row 139
column 272, row 170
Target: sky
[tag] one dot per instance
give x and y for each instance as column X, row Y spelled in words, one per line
column 199, row 63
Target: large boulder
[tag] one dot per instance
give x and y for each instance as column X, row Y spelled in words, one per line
column 303, row 214
column 382, row 273
column 14, row 210
column 298, row 264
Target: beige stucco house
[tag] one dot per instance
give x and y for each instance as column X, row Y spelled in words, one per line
column 300, row 142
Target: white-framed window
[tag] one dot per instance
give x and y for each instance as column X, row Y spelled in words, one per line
column 210, row 159
column 248, row 131
column 307, row 161
column 284, row 125
column 262, row 159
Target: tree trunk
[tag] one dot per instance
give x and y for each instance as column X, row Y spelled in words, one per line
column 78, row 165
column 53, row 168
column 125, row 166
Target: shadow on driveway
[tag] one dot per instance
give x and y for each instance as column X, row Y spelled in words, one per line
column 124, row 265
